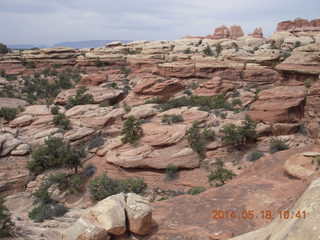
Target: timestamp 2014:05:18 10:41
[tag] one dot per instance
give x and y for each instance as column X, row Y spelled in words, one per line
column 249, row 214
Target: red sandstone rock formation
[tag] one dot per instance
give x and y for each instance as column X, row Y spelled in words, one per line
column 257, row 33
column 236, row 32
column 221, row 32
column 299, row 24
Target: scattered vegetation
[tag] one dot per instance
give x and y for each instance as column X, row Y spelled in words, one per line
column 126, row 71
column 62, row 121
column 277, row 144
column 316, row 160
column 218, row 49
column 198, row 140
column 308, row 83
column 203, row 102
column 96, row 141
column 254, row 155
column 40, row 87
column 28, row 64
column 297, row 44
column 5, row 222
column 131, row 130
column 103, row 186
column 220, row 175
column 154, row 100
column 4, row 49
column 172, row 118
column 239, row 136
column 171, row 172
column 196, row 190
column 81, row 98
column 54, row 110
column 9, row 113
column 55, row 153
column 46, row 207
column 187, row 51
column 207, row 51
column 98, row 63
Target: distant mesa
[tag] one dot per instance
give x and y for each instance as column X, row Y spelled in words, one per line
column 299, row 25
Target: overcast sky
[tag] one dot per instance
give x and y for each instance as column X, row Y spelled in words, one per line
column 51, row 21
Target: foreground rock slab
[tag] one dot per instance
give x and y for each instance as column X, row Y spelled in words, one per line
column 294, row 228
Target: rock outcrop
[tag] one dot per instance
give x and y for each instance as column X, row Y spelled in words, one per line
column 108, row 217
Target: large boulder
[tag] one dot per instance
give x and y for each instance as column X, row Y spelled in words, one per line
column 12, row 102
column 139, row 214
column 279, row 105
column 110, row 217
column 106, row 217
column 300, row 166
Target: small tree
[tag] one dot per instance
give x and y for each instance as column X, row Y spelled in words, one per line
column 81, row 98
column 238, row 136
column 62, row 121
column 131, row 130
column 218, row 49
column 198, row 140
column 72, row 159
column 207, row 51
column 277, row 145
column 5, row 222
column 3, row 48
column 220, row 174
column 172, row 172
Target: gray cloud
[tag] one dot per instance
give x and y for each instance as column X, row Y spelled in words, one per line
column 38, row 21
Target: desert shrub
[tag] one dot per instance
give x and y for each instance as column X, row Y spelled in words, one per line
column 56, row 65
column 172, row 118
column 54, row 110
column 98, row 63
column 103, row 186
column 28, row 64
column 198, row 140
column 47, row 211
column 194, row 86
column 131, row 130
column 236, row 101
column 55, row 153
column 59, row 178
column 187, row 92
column 112, row 85
column 187, row 51
column 316, row 160
column 286, row 54
column 218, row 49
column 6, row 224
column 254, row 155
column 196, row 190
column 239, row 136
column 277, row 144
column 96, row 141
column 81, row 98
column 153, row 100
column 172, row 172
column 3, row 48
column 127, row 108
column 89, row 170
column 62, row 121
column 104, row 104
column 297, row 44
column 203, row 102
column 75, row 183
column 126, row 71
column 207, row 51
column 220, row 175
column 8, row 113
column 308, row 83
